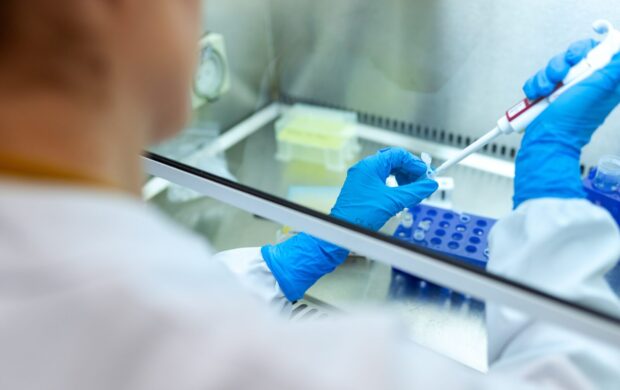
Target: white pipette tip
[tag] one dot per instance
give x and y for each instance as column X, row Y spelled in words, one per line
column 431, row 173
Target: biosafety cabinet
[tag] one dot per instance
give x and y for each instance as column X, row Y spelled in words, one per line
column 290, row 93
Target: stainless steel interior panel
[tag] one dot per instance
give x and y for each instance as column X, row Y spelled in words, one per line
column 246, row 27
column 450, row 65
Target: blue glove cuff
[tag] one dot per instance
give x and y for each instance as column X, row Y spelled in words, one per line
column 300, row 261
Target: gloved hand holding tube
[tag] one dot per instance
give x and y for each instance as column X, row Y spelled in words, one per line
column 548, row 163
column 365, row 200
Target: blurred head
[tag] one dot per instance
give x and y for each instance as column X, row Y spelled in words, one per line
column 136, row 56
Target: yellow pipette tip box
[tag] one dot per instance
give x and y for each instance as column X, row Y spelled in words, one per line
column 318, row 135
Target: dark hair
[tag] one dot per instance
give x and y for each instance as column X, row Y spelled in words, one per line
column 7, row 20
column 47, row 44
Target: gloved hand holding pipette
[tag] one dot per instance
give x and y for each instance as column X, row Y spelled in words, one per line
column 548, row 163
column 577, row 69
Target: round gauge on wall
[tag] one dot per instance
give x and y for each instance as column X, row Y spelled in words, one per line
column 212, row 78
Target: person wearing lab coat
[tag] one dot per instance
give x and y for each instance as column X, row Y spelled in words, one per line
column 100, row 291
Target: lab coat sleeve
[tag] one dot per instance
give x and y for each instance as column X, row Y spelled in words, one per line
column 252, row 272
column 562, row 247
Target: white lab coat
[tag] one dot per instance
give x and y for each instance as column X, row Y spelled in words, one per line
column 99, row 291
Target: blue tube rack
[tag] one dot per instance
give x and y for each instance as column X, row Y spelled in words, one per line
column 610, row 202
column 464, row 237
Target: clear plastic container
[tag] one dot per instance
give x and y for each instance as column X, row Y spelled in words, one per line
column 318, row 135
column 607, row 177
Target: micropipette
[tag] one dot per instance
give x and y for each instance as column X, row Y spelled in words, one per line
column 518, row 118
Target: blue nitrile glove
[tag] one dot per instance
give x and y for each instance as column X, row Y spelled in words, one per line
column 548, row 163
column 365, row 200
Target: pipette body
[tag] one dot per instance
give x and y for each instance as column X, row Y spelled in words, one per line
column 519, row 117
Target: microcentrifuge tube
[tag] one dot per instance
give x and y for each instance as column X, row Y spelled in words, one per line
column 419, row 235
column 607, row 177
column 425, row 226
column 407, row 219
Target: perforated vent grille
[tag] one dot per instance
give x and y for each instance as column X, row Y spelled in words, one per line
column 418, row 130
